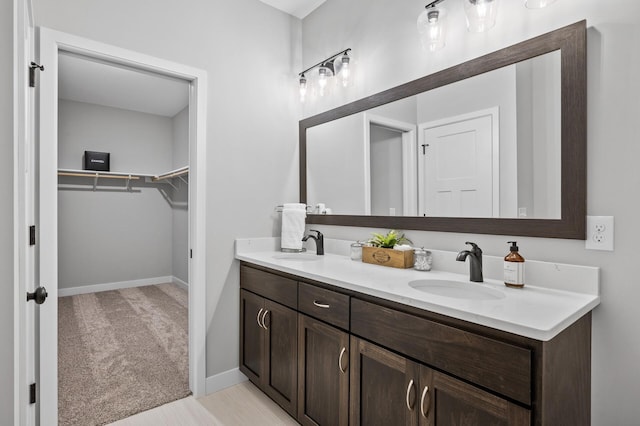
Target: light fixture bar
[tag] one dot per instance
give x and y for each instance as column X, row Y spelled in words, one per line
column 433, row 4
column 330, row 58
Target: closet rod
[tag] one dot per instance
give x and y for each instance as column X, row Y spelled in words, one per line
column 172, row 174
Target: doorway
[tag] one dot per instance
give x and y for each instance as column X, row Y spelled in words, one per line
column 54, row 45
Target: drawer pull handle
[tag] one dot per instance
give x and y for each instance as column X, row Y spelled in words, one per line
column 258, row 317
column 264, row 316
column 321, row 305
column 408, row 392
column 423, row 410
column 342, row 352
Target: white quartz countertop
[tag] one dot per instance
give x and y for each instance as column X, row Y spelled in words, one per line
column 537, row 312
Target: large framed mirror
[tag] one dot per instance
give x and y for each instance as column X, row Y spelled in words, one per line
column 495, row 145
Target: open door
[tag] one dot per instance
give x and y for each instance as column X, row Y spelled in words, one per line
column 51, row 43
column 26, row 311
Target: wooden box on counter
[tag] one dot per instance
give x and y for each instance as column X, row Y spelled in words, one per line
column 388, row 257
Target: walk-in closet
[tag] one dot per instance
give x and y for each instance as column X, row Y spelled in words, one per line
column 123, row 249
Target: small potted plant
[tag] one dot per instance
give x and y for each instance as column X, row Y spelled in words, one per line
column 380, row 250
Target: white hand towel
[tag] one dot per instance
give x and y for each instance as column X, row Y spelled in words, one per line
column 293, row 221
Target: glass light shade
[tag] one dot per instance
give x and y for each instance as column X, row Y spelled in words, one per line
column 537, row 4
column 324, row 73
column 342, row 66
column 432, row 28
column 303, row 87
column 481, row 14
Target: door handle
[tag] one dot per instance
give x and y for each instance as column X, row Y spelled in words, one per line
column 38, row 296
column 340, row 366
column 264, row 316
column 423, row 410
column 258, row 317
column 409, row 388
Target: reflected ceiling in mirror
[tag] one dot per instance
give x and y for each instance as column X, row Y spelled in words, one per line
column 426, row 139
column 486, row 146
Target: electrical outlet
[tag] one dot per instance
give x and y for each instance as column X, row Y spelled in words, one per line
column 599, row 233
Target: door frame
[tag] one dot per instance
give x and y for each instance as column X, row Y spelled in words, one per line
column 494, row 113
column 51, row 42
column 409, row 161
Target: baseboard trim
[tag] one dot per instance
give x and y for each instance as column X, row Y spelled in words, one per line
column 224, row 380
column 179, row 282
column 95, row 288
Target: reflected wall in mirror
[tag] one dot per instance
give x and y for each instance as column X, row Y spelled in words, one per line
column 486, row 146
column 494, row 145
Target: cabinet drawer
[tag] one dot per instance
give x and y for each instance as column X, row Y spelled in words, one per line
column 495, row 365
column 323, row 304
column 274, row 287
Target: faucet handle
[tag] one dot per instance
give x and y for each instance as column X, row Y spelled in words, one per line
column 474, row 246
column 319, row 233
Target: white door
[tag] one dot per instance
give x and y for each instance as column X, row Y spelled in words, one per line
column 51, row 42
column 458, row 166
column 24, row 201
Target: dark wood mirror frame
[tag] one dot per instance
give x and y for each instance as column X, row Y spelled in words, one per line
column 572, row 43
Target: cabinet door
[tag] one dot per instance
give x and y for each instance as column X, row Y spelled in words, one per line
column 251, row 336
column 445, row 401
column 384, row 386
column 323, row 353
column 281, row 355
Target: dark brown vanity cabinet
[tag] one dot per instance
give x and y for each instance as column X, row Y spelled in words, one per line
column 336, row 357
column 268, row 340
column 323, row 373
column 387, row 388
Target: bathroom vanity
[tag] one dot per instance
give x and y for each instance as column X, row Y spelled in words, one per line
column 338, row 342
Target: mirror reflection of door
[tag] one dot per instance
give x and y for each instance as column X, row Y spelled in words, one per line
column 458, row 167
column 386, row 188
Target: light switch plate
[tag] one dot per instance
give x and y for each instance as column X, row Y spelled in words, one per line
column 599, row 233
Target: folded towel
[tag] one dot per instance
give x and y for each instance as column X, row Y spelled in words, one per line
column 293, row 221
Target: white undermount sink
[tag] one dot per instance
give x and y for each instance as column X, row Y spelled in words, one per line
column 299, row 257
column 457, row 289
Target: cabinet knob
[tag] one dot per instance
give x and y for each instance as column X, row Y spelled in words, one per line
column 423, row 410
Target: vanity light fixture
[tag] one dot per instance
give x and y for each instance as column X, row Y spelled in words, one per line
column 480, row 14
column 334, row 65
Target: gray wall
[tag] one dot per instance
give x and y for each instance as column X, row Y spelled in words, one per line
column 6, row 209
column 113, row 235
column 180, row 198
column 252, row 118
column 613, row 149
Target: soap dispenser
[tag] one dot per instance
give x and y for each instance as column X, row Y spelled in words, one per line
column 514, row 267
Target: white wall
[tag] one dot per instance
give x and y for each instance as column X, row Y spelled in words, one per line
column 113, row 235
column 383, row 33
column 7, row 283
column 249, row 51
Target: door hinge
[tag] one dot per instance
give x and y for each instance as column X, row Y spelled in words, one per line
column 32, row 235
column 32, row 73
column 424, row 148
column 32, row 393
column 190, row 253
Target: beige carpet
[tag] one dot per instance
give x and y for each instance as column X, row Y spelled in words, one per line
column 121, row 352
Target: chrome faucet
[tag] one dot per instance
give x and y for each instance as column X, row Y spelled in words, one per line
column 475, row 262
column 319, row 239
